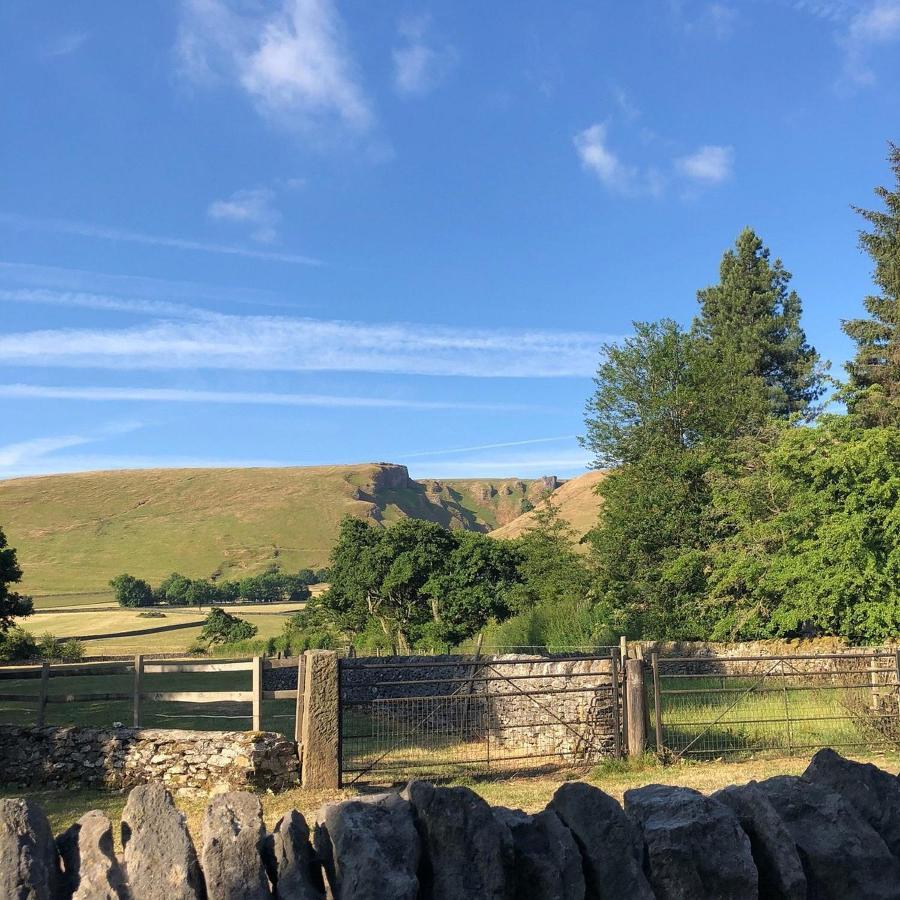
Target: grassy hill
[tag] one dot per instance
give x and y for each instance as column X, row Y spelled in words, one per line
column 74, row 532
column 576, row 500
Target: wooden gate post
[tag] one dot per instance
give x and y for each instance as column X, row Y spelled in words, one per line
column 257, row 693
column 637, row 707
column 320, row 734
column 138, row 673
column 42, row 699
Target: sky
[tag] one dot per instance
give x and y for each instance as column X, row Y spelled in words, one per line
column 303, row 232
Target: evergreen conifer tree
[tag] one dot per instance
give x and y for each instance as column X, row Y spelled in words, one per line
column 873, row 394
column 752, row 322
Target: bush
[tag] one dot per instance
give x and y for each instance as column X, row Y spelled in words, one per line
column 223, row 628
column 131, row 591
column 52, row 649
column 17, row 644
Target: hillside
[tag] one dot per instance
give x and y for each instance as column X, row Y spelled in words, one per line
column 576, row 500
column 74, row 532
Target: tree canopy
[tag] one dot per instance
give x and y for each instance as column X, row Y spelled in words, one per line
column 12, row 604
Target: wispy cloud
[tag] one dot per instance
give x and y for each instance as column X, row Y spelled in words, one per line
column 290, row 57
column 102, row 232
column 269, row 343
column 875, row 25
column 420, row 64
column 23, row 454
column 84, row 300
column 250, row 206
column 60, row 286
column 64, row 44
column 710, row 164
column 13, row 455
column 546, row 440
column 700, row 20
column 243, row 398
column 563, row 464
column 596, row 155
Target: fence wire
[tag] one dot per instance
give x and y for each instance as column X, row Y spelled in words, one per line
column 444, row 718
column 706, row 708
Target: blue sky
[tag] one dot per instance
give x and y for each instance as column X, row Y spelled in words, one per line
column 290, row 232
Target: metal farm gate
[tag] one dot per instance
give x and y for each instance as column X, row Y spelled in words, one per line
column 441, row 717
column 704, row 707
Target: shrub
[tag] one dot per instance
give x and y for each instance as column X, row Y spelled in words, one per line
column 17, row 644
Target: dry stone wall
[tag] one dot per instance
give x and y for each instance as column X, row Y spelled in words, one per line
column 186, row 761
column 833, row 833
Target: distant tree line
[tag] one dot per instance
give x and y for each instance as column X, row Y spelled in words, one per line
column 179, row 590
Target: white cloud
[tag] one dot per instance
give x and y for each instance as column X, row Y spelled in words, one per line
column 710, row 164
column 241, row 398
column 269, row 343
column 291, row 59
column 418, row 65
column 877, row 25
column 64, row 44
column 84, row 300
column 102, row 232
column 23, row 454
column 592, row 146
column 251, row 206
column 13, row 455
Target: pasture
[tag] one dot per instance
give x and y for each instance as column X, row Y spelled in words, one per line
column 109, row 628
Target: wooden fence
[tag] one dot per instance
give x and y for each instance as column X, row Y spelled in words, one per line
column 142, row 666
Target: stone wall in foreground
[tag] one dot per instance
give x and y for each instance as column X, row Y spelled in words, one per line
column 186, row 761
column 832, row 833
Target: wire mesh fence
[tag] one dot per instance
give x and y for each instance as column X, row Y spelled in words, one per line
column 441, row 718
column 706, row 708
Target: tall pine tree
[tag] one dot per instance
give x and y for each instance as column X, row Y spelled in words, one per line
column 752, row 321
column 873, row 395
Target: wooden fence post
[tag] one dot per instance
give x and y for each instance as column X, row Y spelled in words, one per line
column 138, row 673
column 42, row 700
column 637, row 707
column 257, row 692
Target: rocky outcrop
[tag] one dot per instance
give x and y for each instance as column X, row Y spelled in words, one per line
column 842, row 855
column 370, row 848
column 874, row 794
column 547, row 864
column 29, row 862
column 92, row 871
column 696, row 848
column 468, row 852
column 234, row 840
column 159, row 857
column 774, row 852
column 293, row 867
column 787, row 837
column 611, row 846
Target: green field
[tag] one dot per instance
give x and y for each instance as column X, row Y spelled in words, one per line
column 74, row 532
column 741, row 716
column 102, row 625
column 278, row 715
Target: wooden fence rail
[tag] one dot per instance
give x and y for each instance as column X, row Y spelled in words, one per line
column 142, row 667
